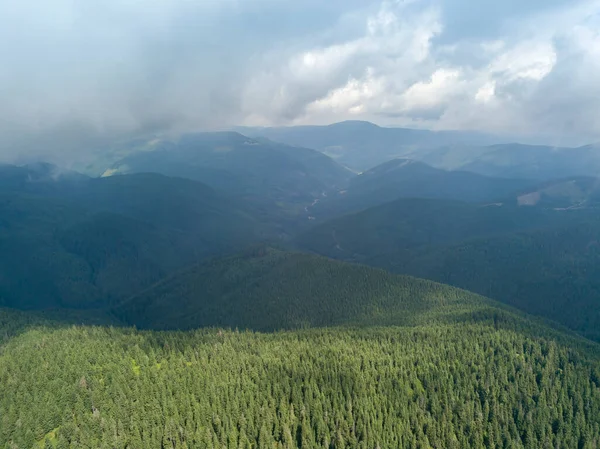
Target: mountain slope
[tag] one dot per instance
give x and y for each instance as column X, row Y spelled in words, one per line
column 541, row 260
column 268, row 289
column 475, row 376
column 405, row 178
column 553, row 272
column 412, row 222
column 256, row 169
column 363, row 145
column 111, row 237
column 570, row 193
column 39, row 178
column 518, row 161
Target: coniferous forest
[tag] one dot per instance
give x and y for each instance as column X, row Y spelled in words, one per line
column 463, row 384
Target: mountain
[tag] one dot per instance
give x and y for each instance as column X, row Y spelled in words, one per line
column 405, row 178
column 570, row 193
column 39, row 178
column 549, row 272
column 412, row 222
column 441, row 368
column 111, row 237
column 518, row 161
column 267, row 289
column 256, row 169
column 542, row 260
column 362, row 145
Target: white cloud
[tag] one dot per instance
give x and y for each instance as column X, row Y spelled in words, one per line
column 106, row 68
column 433, row 92
column 341, row 80
column 531, row 60
column 398, row 72
column 351, row 98
column 486, row 93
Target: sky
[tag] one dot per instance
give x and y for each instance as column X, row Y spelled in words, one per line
column 78, row 74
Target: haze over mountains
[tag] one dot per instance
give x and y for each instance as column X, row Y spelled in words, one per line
column 238, row 164
column 361, row 145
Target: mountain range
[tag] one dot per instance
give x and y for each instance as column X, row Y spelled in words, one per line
column 405, row 178
column 217, row 290
column 255, row 169
column 88, row 240
column 540, row 259
column 362, row 145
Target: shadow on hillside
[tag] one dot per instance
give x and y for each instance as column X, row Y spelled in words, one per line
column 14, row 322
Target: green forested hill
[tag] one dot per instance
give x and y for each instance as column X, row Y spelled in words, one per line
column 468, row 381
column 413, row 222
column 553, row 272
column 390, row 361
column 266, row 289
column 358, row 357
column 543, row 261
column 405, row 178
column 111, row 237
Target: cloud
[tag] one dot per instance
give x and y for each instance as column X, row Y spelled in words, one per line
column 77, row 76
column 532, row 76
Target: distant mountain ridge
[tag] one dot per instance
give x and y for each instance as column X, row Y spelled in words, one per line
column 552, row 272
column 253, row 168
column 569, row 193
column 362, row 145
column 406, row 178
column 536, row 161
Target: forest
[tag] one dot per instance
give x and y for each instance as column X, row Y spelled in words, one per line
column 469, row 383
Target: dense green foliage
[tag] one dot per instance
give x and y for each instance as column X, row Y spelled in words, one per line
column 468, row 383
column 266, row 289
column 358, row 357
